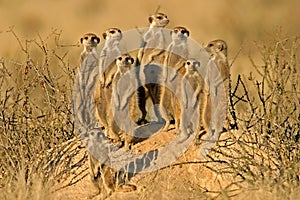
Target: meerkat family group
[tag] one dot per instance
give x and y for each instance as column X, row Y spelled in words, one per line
column 163, row 73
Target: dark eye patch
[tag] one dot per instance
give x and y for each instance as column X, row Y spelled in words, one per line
column 112, row 31
column 128, row 59
column 188, row 62
column 120, row 58
column 197, row 63
column 159, row 17
column 86, row 37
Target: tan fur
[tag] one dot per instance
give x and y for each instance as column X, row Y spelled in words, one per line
column 122, row 90
column 216, row 80
column 107, row 69
column 177, row 53
column 191, row 100
column 109, row 53
column 151, row 53
column 89, row 42
column 105, row 179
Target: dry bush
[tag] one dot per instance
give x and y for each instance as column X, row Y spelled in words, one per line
column 36, row 121
column 40, row 154
column 263, row 151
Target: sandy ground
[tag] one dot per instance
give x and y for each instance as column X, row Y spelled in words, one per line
column 186, row 181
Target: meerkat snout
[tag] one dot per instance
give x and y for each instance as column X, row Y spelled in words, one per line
column 180, row 32
column 217, row 46
column 90, row 40
column 158, row 20
column 192, row 65
column 125, row 60
column 112, row 33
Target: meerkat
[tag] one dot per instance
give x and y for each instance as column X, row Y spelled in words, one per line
column 89, row 42
column 122, row 86
column 109, row 53
column 176, row 55
column 105, row 179
column 217, row 81
column 192, row 86
column 107, row 69
column 150, row 56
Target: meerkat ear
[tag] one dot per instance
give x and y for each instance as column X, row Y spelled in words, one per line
column 150, row 19
column 81, row 40
column 104, row 35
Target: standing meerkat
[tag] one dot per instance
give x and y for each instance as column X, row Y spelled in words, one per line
column 105, row 178
column 89, row 42
column 149, row 60
column 123, row 86
column 176, row 55
column 217, row 81
column 109, row 53
column 107, row 69
column 191, row 97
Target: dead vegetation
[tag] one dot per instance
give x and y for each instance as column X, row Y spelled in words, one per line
column 263, row 151
column 41, row 155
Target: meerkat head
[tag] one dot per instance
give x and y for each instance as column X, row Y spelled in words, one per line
column 112, row 33
column 90, row 40
column 192, row 65
column 158, row 20
column 179, row 33
column 124, row 61
column 217, row 47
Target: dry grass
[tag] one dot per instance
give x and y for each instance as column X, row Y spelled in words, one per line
column 263, row 150
column 41, row 155
column 39, row 152
column 36, row 118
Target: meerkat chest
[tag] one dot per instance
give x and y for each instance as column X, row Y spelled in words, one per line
column 180, row 49
column 195, row 81
column 154, row 38
column 108, row 55
column 122, row 81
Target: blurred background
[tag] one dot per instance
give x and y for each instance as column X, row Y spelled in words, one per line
column 239, row 22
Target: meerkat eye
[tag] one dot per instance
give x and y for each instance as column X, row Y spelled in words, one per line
column 166, row 16
column 197, row 64
column 159, row 17
column 175, row 31
column 128, row 59
column 119, row 30
column 210, row 45
column 112, row 31
column 120, row 58
column 86, row 37
column 188, row 62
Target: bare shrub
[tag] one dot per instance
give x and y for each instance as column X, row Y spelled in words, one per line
column 263, row 151
column 36, row 122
